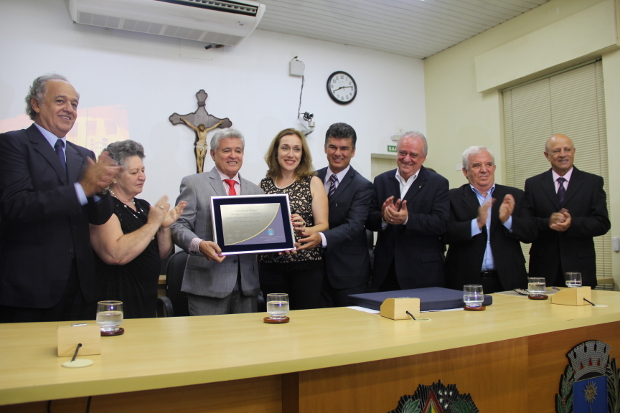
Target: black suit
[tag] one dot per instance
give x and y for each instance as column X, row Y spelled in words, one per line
column 43, row 227
column 465, row 255
column 415, row 249
column 572, row 250
column 346, row 256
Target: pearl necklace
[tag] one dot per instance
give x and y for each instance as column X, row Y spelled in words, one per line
column 133, row 212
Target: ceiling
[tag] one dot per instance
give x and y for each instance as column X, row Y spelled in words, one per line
column 414, row 28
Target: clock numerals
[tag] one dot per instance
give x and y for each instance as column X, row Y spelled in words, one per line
column 341, row 87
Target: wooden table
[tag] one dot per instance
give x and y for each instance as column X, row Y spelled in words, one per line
column 509, row 357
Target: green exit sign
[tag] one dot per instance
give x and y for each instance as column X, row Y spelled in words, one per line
column 391, row 148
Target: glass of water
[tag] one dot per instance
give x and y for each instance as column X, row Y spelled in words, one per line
column 109, row 315
column 536, row 286
column 573, row 279
column 473, row 295
column 277, row 305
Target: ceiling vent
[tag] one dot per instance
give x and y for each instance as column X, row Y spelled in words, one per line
column 219, row 22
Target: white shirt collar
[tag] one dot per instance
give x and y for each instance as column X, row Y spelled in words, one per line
column 340, row 175
column 49, row 136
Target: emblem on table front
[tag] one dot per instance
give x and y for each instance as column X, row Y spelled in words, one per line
column 436, row 398
column 590, row 381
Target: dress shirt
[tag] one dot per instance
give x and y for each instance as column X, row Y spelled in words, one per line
column 566, row 176
column 405, row 184
column 51, row 138
column 340, row 175
column 488, row 264
column 327, row 184
column 194, row 245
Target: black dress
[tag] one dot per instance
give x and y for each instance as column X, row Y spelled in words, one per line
column 135, row 283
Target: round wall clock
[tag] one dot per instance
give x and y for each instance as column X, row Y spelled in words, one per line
column 341, row 87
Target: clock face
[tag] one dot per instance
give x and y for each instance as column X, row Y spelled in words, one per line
column 341, row 87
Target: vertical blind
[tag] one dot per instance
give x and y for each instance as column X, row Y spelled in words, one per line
column 572, row 103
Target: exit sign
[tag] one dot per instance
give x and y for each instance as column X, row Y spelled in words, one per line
column 391, row 148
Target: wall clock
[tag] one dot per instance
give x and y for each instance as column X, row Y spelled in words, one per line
column 341, row 87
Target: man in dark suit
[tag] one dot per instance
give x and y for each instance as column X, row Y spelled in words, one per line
column 345, row 244
column 411, row 210
column 47, row 188
column 214, row 283
column 570, row 208
column 488, row 222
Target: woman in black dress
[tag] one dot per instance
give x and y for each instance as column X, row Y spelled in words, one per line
column 132, row 243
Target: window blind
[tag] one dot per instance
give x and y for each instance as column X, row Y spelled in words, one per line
column 570, row 102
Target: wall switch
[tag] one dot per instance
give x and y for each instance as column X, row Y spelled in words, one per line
column 459, row 166
column 615, row 243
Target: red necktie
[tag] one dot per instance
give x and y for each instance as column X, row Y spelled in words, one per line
column 231, row 185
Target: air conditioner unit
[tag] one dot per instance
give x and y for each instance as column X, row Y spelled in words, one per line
column 219, row 22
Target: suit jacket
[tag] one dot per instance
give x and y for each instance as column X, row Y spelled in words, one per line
column 465, row 255
column 42, row 224
column 416, row 248
column 346, row 257
column 204, row 277
column 573, row 249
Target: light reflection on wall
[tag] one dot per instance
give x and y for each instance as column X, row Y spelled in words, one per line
column 95, row 128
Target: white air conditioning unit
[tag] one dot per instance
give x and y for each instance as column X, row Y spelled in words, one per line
column 219, row 22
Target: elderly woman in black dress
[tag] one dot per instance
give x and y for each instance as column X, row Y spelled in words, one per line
column 132, row 243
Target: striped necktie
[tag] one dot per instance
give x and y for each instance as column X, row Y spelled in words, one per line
column 334, row 184
column 561, row 190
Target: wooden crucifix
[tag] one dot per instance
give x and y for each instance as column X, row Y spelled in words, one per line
column 201, row 122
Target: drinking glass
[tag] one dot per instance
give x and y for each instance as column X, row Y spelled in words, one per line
column 109, row 315
column 573, row 279
column 277, row 305
column 473, row 295
column 536, row 286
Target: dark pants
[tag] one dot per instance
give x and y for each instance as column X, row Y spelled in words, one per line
column 70, row 307
column 338, row 297
column 390, row 283
column 302, row 281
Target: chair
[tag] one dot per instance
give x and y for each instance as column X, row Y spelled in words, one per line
column 174, row 304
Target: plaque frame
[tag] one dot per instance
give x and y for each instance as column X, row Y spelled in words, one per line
column 253, row 247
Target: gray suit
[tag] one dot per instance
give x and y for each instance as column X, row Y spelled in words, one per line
column 203, row 277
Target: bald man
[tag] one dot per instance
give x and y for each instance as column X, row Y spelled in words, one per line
column 570, row 209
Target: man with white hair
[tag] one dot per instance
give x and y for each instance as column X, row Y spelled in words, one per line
column 215, row 283
column 410, row 210
column 488, row 222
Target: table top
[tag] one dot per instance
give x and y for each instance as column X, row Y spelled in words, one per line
column 170, row 352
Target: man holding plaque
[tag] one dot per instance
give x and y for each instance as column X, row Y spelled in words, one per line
column 345, row 244
column 214, row 283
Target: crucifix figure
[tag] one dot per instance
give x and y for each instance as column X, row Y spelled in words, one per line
column 201, row 122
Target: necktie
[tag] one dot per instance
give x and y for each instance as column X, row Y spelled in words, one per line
column 231, row 185
column 561, row 190
column 59, row 147
column 334, row 184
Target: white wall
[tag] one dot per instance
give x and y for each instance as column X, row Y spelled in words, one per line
column 459, row 116
column 155, row 76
